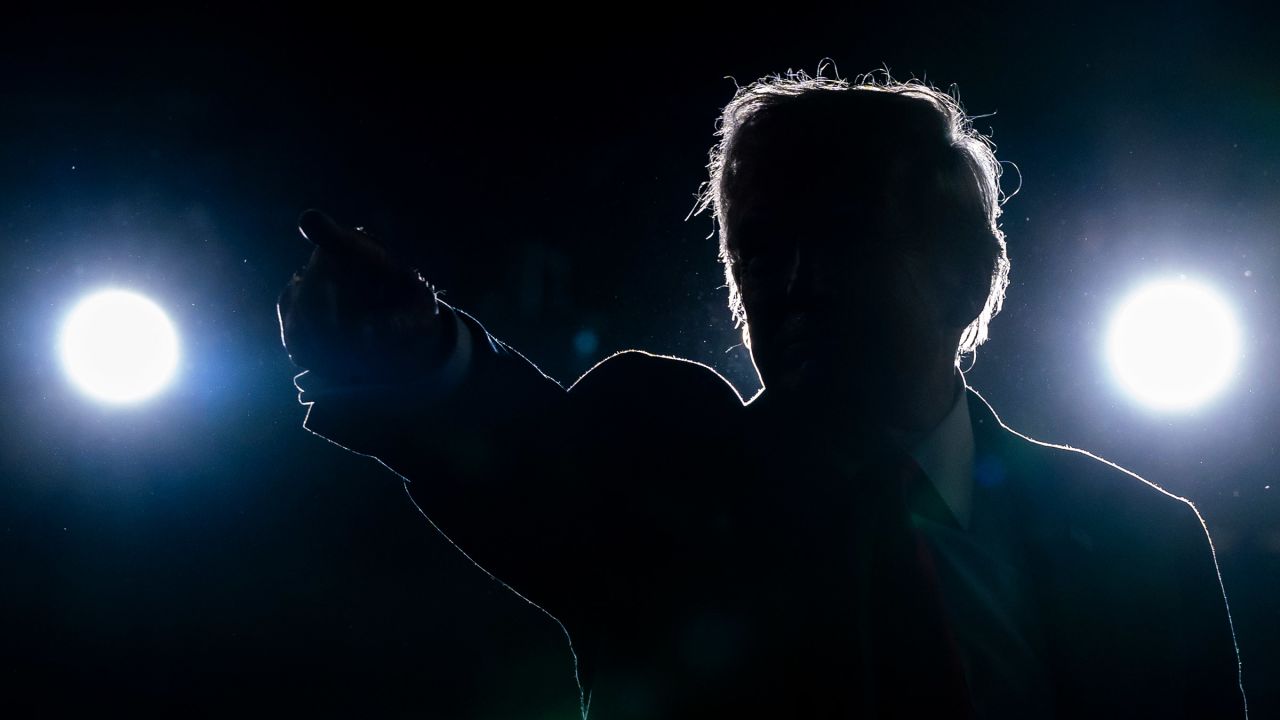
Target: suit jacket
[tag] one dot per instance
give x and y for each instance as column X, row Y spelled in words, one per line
column 697, row 550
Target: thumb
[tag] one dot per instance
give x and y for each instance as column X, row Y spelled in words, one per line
column 345, row 243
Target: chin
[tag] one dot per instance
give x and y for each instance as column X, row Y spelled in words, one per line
column 827, row 384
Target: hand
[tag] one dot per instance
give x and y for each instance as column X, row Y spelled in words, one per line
column 354, row 314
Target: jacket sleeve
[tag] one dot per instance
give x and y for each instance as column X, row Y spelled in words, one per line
column 512, row 468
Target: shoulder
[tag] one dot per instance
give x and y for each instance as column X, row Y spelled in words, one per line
column 1082, row 487
column 639, row 377
column 1125, row 560
column 1110, row 497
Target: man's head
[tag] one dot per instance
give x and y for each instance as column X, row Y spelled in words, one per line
column 858, row 228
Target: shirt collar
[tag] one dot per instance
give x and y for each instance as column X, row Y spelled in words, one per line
column 946, row 457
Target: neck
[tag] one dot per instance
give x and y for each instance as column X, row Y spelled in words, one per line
column 893, row 414
column 922, row 409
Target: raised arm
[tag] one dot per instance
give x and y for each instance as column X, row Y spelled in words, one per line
column 510, row 466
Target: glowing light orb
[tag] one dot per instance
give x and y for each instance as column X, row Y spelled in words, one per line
column 1174, row 344
column 118, row 347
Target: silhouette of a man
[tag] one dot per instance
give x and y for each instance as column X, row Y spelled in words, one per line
column 864, row 538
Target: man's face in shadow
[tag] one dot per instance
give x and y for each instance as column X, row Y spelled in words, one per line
column 843, row 307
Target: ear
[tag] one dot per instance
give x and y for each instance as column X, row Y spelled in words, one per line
column 973, row 286
column 965, row 310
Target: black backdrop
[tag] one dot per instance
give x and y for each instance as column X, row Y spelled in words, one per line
column 203, row 551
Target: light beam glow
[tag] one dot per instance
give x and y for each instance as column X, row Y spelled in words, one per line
column 118, row 347
column 1173, row 344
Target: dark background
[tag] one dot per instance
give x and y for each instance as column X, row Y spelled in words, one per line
column 202, row 551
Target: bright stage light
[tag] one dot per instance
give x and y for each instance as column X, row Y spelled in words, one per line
column 118, row 346
column 1174, row 344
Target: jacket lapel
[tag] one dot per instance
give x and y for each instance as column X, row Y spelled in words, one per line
column 1059, row 553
